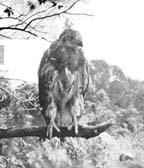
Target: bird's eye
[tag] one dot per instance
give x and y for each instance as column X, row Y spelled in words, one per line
column 70, row 38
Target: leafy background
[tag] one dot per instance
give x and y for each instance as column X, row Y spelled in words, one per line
column 111, row 96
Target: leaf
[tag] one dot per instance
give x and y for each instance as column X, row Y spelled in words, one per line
column 31, row 5
column 9, row 11
column 44, row 1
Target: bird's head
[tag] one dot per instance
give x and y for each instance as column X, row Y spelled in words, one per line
column 71, row 38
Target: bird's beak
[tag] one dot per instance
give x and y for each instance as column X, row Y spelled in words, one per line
column 79, row 43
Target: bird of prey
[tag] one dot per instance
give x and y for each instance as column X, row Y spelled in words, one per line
column 63, row 81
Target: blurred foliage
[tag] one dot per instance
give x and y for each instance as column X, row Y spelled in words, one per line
column 112, row 96
column 119, row 94
column 139, row 101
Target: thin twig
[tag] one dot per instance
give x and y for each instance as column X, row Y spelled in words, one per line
column 84, row 14
column 19, row 29
column 34, row 105
column 4, row 36
column 13, row 79
column 5, row 90
column 25, row 31
column 52, row 15
column 21, row 100
column 29, row 100
column 37, row 13
column 24, row 21
column 26, row 25
column 4, row 5
column 30, row 109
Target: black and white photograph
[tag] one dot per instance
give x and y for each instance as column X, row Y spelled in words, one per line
column 71, row 84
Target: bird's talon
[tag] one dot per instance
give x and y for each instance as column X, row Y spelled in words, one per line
column 76, row 129
column 70, row 127
column 58, row 130
column 50, row 128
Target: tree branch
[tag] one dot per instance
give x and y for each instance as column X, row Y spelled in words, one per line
column 37, row 13
column 25, row 31
column 84, row 132
column 4, row 5
column 52, row 15
column 84, row 14
column 19, row 29
column 4, row 36
column 25, row 24
column 5, row 90
column 5, row 78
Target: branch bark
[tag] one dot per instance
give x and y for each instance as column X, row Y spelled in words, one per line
column 84, row 132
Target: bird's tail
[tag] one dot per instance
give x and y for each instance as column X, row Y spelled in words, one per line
column 64, row 119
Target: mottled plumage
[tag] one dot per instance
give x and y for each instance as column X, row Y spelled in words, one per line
column 63, row 81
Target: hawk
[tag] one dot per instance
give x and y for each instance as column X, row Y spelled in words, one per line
column 63, row 80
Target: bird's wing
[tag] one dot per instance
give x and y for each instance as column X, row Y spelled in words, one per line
column 41, row 77
column 86, row 78
column 46, row 74
column 53, row 60
column 83, row 72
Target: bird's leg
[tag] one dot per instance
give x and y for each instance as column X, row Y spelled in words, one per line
column 51, row 112
column 75, row 124
column 76, row 110
column 50, row 128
